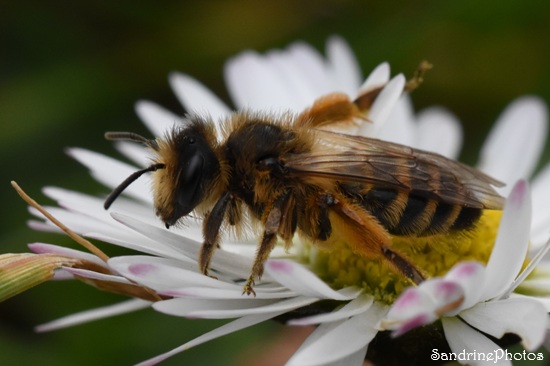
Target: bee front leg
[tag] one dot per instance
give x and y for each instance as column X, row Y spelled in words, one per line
column 211, row 232
column 275, row 218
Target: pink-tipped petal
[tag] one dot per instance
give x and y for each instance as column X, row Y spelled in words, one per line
column 511, row 244
column 470, row 276
column 413, row 301
column 300, row 280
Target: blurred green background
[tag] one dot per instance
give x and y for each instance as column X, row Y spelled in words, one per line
column 71, row 70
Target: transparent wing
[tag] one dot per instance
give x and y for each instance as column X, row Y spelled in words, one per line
column 348, row 158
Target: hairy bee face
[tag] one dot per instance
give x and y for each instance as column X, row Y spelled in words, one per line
column 191, row 167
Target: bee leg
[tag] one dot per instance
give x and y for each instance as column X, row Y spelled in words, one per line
column 211, row 232
column 367, row 237
column 273, row 222
column 403, row 265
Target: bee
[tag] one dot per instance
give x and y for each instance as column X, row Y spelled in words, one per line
column 295, row 174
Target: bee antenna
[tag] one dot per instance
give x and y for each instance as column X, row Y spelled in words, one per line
column 130, row 136
column 118, row 190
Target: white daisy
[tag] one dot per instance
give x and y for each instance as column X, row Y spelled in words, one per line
column 290, row 80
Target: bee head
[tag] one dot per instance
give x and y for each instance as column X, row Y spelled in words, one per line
column 184, row 170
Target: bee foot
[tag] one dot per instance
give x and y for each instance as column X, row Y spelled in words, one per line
column 247, row 289
column 209, row 275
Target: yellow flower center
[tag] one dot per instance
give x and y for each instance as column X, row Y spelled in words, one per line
column 434, row 255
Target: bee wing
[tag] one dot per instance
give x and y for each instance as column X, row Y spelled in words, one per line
column 348, row 158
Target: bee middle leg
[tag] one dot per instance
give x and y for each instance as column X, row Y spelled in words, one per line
column 276, row 219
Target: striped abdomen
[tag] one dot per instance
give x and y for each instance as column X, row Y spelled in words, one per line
column 411, row 213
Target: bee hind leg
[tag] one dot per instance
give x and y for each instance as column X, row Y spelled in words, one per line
column 402, row 265
column 367, row 237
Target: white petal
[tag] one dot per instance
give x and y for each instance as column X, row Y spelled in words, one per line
column 76, row 202
column 222, row 261
column 525, row 317
column 346, row 70
column 513, row 148
column 413, row 301
column 232, row 327
column 111, row 231
column 540, row 188
column 356, row 306
column 313, row 67
column 96, row 275
column 400, row 126
column 252, row 84
column 157, row 119
column 470, row 276
column 93, row 206
column 163, row 274
column 300, row 280
column 417, row 306
column 382, row 106
column 439, row 131
column 218, row 293
column 340, row 340
column 356, row 358
column 377, row 78
column 211, row 309
column 463, row 340
column 545, row 301
column 139, row 154
column 94, row 314
column 196, row 98
column 141, row 244
column 111, row 172
column 72, row 253
column 511, row 243
column 79, row 223
column 229, row 308
column 299, row 91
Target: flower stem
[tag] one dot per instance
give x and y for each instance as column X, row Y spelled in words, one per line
column 79, row 239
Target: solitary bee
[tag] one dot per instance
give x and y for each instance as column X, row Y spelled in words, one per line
column 296, row 174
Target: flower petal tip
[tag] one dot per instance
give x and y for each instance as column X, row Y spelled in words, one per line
column 142, row 269
column 519, row 193
column 280, row 266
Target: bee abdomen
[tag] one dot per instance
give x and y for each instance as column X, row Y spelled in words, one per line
column 411, row 213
